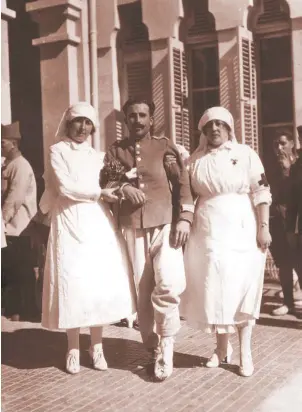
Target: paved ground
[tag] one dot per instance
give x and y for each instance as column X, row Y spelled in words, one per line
column 33, row 377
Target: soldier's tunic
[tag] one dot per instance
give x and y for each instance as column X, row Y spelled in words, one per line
column 19, row 206
column 19, row 195
column 158, row 268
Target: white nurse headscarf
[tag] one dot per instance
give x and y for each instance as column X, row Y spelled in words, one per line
column 80, row 109
column 215, row 113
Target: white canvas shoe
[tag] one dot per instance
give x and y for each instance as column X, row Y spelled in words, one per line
column 217, row 358
column 97, row 358
column 246, row 369
column 164, row 360
column 73, row 361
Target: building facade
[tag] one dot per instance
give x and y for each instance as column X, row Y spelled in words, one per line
column 186, row 55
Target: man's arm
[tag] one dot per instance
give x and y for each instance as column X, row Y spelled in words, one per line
column 114, row 174
column 181, row 183
column 19, row 182
column 182, row 196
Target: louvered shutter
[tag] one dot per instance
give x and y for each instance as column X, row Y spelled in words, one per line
column 180, row 111
column 139, row 80
column 273, row 11
column 248, row 89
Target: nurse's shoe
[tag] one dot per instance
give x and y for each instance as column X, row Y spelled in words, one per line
column 282, row 310
column 97, row 358
column 73, row 361
column 217, row 358
column 246, row 368
column 164, row 359
column 132, row 321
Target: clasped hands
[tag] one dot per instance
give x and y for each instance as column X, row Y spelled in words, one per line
column 110, row 194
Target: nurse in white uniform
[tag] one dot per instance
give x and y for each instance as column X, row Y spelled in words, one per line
column 87, row 278
column 226, row 252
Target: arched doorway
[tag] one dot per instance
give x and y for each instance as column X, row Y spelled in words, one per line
column 26, row 86
column 275, row 83
column 134, row 54
column 198, row 33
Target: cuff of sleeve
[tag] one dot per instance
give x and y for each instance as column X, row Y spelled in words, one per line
column 186, row 215
column 121, row 191
column 262, row 197
column 97, row 195
column 187, row 208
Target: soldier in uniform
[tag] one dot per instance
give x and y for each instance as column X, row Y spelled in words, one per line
column 19, row 206
column 155, row 215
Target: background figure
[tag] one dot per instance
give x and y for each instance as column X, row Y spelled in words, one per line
column 280, row 247
column 39, row 233
column 154, row 229
column 19, row 205
column 294, row 216
column 225, row 254
column 87, row 281
column 3, row 237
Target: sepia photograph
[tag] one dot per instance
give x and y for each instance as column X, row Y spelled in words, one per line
column 151, row 205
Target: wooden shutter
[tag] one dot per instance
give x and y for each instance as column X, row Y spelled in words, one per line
column 180, row 111
column 248, row 89
column 139, row 79
column 273, row 11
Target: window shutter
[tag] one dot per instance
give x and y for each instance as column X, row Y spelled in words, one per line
column 248, row 89
column 139, row 80
column 273, row 11
column 180, row 111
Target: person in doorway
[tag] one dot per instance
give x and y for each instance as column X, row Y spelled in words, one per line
column 19, row 206
column 226, row 251
column 280, row 248
column 87, row 277
column 154, row 230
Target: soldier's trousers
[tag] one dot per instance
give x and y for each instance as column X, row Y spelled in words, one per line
column 287, row 257
column 160, row 280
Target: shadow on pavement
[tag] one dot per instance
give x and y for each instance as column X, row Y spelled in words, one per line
column 39, row 348
column 280, row 323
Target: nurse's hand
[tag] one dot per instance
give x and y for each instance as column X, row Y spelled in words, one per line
column 109, row 195
column 181, row 234
column 264, row 238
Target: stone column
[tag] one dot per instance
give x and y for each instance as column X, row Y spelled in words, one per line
column 6, row 15
column 163, row 35
column 58, row 42
column 109, row 93
column 231, row 30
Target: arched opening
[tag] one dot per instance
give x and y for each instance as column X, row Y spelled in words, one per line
column 25, row 84
column 134, row 54
column 272, row 32
column 198, row 33
column 275, row 84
